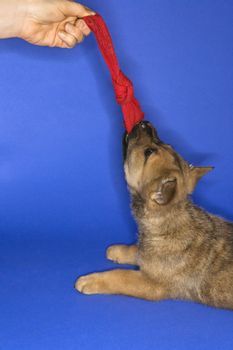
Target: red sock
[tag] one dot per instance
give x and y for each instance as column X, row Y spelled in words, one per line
column 123, row 87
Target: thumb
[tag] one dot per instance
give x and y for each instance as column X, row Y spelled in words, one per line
column 75, row 9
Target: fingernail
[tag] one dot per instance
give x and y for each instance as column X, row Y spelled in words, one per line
column 89, row 13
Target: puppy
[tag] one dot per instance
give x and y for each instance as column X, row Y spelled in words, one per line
column 183, row 252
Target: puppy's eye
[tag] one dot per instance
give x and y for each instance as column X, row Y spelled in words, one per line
column 149, row 151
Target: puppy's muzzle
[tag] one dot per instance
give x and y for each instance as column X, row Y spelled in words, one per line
column 142, row 130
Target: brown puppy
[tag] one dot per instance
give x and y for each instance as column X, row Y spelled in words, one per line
column 183, row 252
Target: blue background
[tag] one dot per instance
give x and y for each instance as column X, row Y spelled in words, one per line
column 62, row 189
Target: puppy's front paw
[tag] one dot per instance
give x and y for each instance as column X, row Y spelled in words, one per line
column 90, row 284
column 114, row 253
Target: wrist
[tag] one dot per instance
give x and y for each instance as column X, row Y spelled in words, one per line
column 12, row 17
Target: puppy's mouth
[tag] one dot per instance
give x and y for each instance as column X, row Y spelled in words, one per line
column 142, row 130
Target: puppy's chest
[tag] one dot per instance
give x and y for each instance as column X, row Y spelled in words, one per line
column 160, row 259
column 168, row 263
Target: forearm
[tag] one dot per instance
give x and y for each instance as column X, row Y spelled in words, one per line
column 12, row 15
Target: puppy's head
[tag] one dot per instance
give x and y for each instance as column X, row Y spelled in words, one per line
column 154, row 170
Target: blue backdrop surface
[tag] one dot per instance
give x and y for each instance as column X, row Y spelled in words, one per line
column 62, row 189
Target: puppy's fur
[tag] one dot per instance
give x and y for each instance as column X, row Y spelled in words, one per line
column 183, row 252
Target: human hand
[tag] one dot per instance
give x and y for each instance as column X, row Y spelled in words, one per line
column 45, row 22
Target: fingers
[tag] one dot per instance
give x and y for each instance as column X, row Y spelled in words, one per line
column 68, row 40
column 74, row 33
column 78, row 30
column 75, row 9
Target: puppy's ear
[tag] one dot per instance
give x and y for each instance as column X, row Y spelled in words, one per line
column 195, row 173
column 165, row 191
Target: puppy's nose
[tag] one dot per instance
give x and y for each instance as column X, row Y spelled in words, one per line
column 145, row 127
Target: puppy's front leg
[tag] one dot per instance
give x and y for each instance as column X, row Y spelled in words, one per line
column 123, row 254
column 125, row 282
